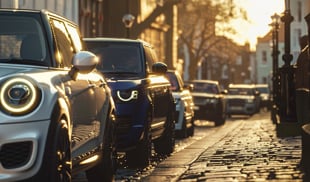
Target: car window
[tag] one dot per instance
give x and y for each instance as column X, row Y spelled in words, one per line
column 117, row 58
column 206, row 88
column 240, row 91
column 150, row 57
column 173, row 81
column 22, row 41
column 63, row 42
column 263, row 90
column 75, row 36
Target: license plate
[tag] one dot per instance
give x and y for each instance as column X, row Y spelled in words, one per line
column 236, row 108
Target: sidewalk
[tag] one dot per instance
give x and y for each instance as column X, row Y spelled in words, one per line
column 249, row 151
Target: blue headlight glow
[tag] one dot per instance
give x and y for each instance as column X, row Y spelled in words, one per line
column 19, row 96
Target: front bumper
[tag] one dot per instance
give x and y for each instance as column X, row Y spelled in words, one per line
column 22, row 149
column 247, row 109
column 131, row 120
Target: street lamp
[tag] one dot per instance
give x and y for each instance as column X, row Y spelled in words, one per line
column 275, row 64
column 286, row 100
column 128, row 20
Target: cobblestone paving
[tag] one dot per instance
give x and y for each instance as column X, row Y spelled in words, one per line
column 252, row 152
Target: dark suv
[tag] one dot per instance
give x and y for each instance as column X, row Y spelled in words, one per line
column 145, row 106
column 56, row 109
column 210, row 102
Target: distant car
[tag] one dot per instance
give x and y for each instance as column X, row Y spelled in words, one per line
column 184, row 125
column 242, row 99
column 265, row 97
column 145, row 107
column 209, row 100
column 56, row 110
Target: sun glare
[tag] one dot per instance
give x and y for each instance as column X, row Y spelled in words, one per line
column 259, row 13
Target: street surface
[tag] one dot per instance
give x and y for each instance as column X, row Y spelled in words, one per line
column 244, row 149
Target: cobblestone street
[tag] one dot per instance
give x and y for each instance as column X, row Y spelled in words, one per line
column 252, row 152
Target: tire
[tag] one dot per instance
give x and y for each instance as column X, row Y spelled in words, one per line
column 190, row 131
column 165, row 144
column 183, row 133
column 105, row 170
column 57, row 162
column 221, row 117
column 141, row 155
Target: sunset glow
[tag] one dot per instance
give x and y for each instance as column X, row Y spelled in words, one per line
column 259, row 13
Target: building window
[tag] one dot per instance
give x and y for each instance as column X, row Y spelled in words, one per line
column 299, row 11
column 264, row 57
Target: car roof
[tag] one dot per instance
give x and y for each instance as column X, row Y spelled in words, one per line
column 241, row 85
column 110, row 39
column 261, row 85
column 204, row 81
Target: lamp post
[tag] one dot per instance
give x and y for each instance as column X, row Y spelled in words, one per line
column 287, row 110
column 275, row 64
column 128, row 20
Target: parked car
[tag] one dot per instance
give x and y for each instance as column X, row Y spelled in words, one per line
column 242, row 99
column 209, row 100
column 56, row 110
column 145, row 106
column 265, row 96
column 184, row 125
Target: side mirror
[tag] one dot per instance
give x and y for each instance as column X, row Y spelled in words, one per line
column 83, row 62
column 224, row 92
column 257, row 93
column 159, row 67
column 189, row 86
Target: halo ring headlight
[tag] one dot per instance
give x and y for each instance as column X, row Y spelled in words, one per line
column 19, row 96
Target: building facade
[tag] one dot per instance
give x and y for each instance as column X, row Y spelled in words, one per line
column 263, row 57
column 155, row 21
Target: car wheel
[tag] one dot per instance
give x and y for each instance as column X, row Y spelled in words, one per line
column 141, row 155
column 57, row 164
column 105, row 170
column 183, row 132
column 220, row 118
column 165, row 144
column 190, row 131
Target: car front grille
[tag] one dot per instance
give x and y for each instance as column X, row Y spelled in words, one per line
column 15, row 155
column 236, row 102
column 123, row 125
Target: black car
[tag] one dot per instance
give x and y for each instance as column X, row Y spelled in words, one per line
column 145, row 106
column 209, row 100
column 56, row 110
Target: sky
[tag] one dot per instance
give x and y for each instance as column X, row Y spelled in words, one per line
column 259, row 12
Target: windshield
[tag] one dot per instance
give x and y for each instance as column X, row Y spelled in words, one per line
column 206, row 88
column 264, row 90
column 117, row 58
column 21, row 41
column 240, row 91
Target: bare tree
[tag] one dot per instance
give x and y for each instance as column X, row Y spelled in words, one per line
column 198, row 30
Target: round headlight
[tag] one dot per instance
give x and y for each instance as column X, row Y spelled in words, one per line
column 19, row 96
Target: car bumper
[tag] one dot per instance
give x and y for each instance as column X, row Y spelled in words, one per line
column 22, row 149
column 247, row 109
column 208, row 112
column 130, row 121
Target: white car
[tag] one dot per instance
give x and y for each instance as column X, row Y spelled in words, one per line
column 56, row 110
column 184, row 125
column 242, row 99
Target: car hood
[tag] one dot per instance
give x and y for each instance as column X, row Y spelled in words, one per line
column 122, row 84
column 195, row 94
column 8, row 69
column 240, row 97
